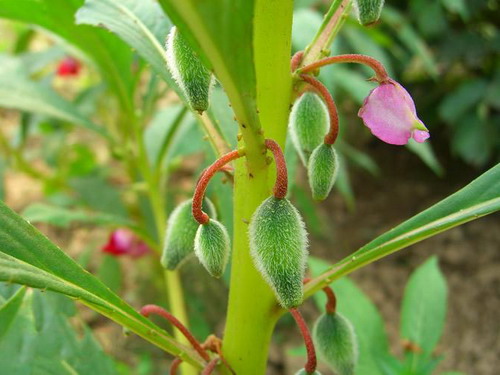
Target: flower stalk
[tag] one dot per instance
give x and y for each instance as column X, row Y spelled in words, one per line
column 333, row 133
column 198, row 214
column 281, row 184
column 311, row 363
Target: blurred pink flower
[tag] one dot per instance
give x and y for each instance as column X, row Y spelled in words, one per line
column 69, row 66
column 390, row 114
column 124, row 242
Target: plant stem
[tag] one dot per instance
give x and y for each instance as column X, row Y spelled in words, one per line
column 281, row 184
column 332, row 22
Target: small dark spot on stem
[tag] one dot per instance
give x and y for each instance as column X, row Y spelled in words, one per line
column 250, row 175
column 245, row 221
column 243, row 126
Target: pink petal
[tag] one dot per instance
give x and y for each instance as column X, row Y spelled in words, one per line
column 420, row 135
column 390, row 114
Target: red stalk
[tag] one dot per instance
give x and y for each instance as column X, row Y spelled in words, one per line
column 174, row 366
column 296, row 60
column 330, row 105
column 310, row 365
column 281, row 184
column 157, row 310
column 200, row 216
column 210, row 367
column 378, row 68
column 331, row 299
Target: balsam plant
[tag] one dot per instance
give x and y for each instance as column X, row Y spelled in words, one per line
column 246, row 45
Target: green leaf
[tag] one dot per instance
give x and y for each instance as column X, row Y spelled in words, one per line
column 41, row 340
column 424, row 309
column 481, row 197
column 18, row 91
column 110, row 272
column 9, row 310
column 161, row 131
column 63, row 217
column 29, row 258
column 3, row 169
column 139, row 23
column 112, row 57
column 364, row 316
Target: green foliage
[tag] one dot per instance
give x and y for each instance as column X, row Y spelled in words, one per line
column 278, row 243
column 181, row 232
column 424, row 299
column 50, row 269
column 212, row 247
column 36, row 337
column 303, row 372
column 18, row 91
column 336, row 342
column 322, row 171
column 423, row 312
column 112, row 58
column 308, row 124
column 356, row 306
column 193, row 78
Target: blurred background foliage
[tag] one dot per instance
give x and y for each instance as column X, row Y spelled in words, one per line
column 445, row 52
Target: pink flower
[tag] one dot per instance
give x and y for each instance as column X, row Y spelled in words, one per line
column 124, row 242
column 390, row 114
column 68, row 67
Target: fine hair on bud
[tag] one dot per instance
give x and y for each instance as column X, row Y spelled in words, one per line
column 336, row 343
column 322, row 171
column 308, row 122
column 212, row 247
column 180, row 233
column 304, row 372
column 193, row 78
column 278, row 244
column 368, row 11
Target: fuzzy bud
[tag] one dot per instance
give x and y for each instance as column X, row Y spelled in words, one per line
column 191, row 75
column 308, row 123
column 278, row 244
column 336, row 343
column 181, row 230
column 322, row 171
column 212, row 247
column 368, row 11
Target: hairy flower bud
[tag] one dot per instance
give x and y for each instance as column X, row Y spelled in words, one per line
column 278, row 244
column 181, row 230
column 212, row 247
column 368, row 11
column 191, row 75
column 322, row 171
column 308, row 123
column 336, row 343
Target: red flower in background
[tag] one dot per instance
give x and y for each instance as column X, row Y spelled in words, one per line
column 124, row 242
column 68, row 67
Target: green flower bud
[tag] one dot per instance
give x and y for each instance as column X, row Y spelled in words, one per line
column 181, row 230
column 336, row 343
column 188, row 71
column 278, row 244
column 308, row 123
column 368, row 11
column 304, row 372
column 212, row 247
column 322, row 171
